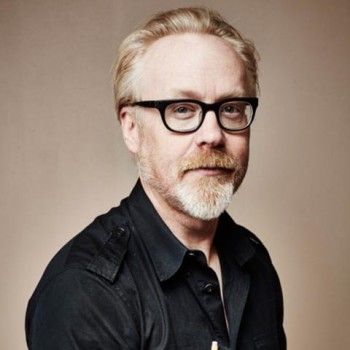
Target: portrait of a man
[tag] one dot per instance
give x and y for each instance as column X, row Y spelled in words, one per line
column 174, row 175
column 169, row 268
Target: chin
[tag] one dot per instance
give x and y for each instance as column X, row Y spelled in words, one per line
column 204, row 199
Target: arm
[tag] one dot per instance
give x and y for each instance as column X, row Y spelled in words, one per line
column 79, row 310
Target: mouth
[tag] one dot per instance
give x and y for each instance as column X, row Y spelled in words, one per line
column 211, row 171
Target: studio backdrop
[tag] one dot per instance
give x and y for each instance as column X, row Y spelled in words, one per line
column 63, row 160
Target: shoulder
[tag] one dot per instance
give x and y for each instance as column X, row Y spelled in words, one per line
column 254, row 240
column 95, row 254
column 260, row 265
column 244, row 243
column 99, row 248
column 265, row 286
column 260, row 262
column 80, row 283
column 250, row 252
column 78, row 308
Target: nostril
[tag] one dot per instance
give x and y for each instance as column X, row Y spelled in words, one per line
column 210, row 135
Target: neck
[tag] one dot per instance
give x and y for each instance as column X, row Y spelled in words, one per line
column 193, row 233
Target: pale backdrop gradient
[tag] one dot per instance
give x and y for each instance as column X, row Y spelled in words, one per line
column 63, row 159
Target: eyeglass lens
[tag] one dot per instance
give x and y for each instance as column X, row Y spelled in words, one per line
column 187, row 116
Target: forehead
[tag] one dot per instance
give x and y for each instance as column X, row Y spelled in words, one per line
column 200, row 64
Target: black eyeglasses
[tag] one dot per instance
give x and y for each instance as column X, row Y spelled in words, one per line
column 185, row 116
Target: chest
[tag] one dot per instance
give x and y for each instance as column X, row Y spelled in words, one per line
column 187, row 311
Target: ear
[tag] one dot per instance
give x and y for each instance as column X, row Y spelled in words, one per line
column 130, row 129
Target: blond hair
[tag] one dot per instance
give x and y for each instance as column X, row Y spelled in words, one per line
column 182, row 20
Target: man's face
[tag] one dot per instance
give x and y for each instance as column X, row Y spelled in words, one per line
column 195, row 173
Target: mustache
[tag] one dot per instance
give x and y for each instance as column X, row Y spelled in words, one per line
column 209, row 159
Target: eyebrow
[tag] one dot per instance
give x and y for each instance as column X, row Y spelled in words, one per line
column 183, row 93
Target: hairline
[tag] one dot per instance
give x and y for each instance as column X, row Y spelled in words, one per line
column 137, row 72
column 197, row 20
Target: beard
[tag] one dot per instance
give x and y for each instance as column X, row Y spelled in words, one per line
column 204, row 197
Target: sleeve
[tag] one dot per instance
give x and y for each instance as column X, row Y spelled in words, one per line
column 80, row 310
column 277, row 289
column 282, row 341
column 280, row 312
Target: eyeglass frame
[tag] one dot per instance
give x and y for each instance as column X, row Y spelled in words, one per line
column 161, row 105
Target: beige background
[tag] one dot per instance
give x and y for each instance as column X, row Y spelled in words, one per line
column 63, row 161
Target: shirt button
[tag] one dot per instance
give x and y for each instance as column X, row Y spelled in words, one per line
column 118, row 231
column 209, row 288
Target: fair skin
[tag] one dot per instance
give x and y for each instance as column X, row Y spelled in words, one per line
column 198, row 66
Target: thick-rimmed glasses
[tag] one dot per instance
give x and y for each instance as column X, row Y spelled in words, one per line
column 185, row 116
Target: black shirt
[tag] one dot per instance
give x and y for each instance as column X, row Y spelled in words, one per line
column 126, row 282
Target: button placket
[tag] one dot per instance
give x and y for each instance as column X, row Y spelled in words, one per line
column 203, row 281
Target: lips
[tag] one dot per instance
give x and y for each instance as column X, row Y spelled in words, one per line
column 211, row 168
column 210, row 171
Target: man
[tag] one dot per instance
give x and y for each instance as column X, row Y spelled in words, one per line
column 168, row 268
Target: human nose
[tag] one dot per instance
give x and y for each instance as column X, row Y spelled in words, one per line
column 210, row 132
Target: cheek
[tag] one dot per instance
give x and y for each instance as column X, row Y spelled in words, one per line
column 239, row 146
column 163, row 148
column 158, row 150
column 167, row 147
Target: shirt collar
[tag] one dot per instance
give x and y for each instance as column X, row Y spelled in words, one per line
column 234, row 241
column 166, row 251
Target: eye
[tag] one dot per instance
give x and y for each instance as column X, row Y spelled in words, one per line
column 182, row 109
column 231, row 108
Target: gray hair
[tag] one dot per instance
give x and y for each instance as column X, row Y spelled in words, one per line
column 182, row 20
